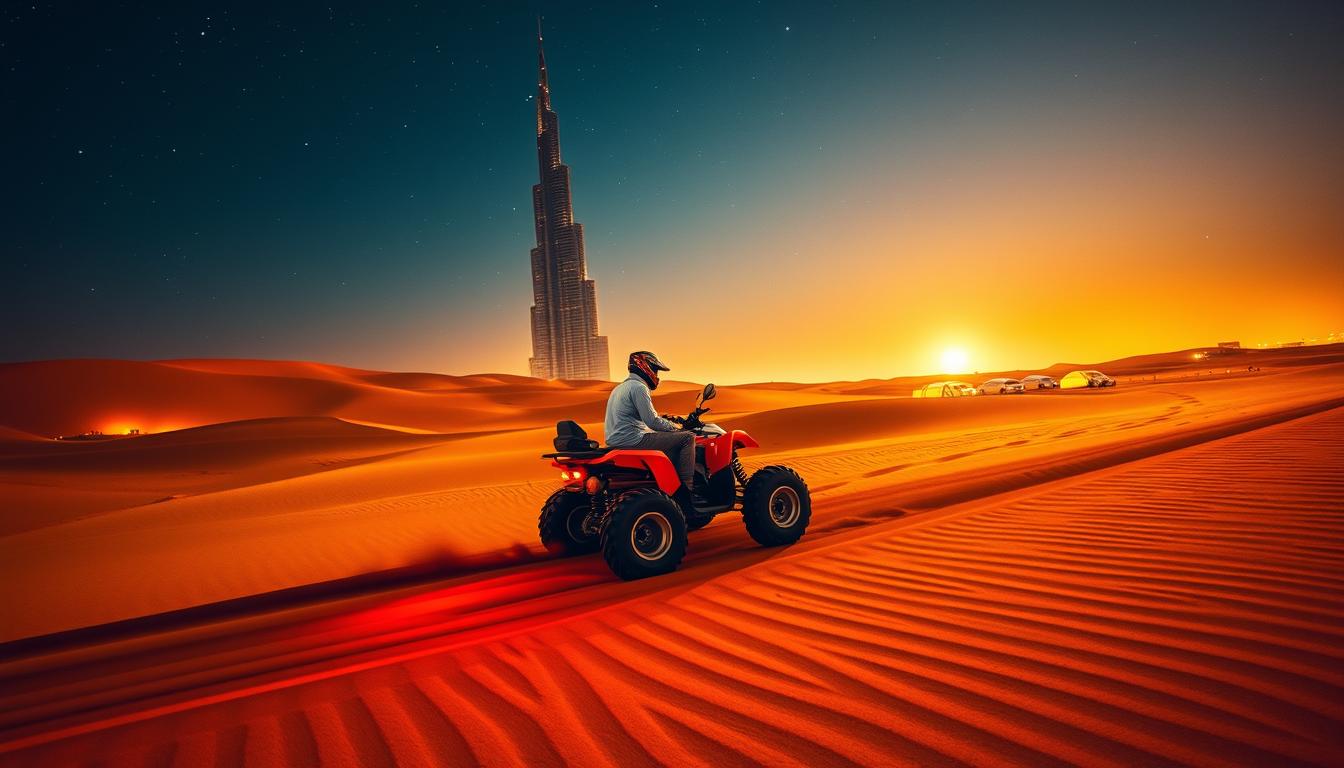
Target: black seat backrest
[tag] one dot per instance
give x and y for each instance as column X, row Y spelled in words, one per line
column 570, row 437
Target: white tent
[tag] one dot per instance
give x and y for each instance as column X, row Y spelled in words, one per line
column 1082, row 379
column 944, row 389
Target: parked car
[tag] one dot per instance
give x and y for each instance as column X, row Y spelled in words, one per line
column 1080, row 379
column 945, row 389
column 1002, row 387
column 1037, row 381
column 1102, row 379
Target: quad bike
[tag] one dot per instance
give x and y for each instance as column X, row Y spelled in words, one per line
column 619, row 500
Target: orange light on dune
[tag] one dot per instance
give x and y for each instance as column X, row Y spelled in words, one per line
column 137, row 425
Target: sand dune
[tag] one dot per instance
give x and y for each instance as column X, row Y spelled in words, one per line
column 1161, row 611
column 1138, row 365
column 73, row 396
column 245, row 443
column 53, row 482
column 340, row 566
column 69, row 397
column 9, row 434
column 272, row 503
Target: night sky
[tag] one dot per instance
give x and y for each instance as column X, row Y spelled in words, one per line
column 770, row 191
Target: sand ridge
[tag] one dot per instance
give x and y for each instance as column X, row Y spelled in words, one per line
column 1160, row 611
column 270, row 503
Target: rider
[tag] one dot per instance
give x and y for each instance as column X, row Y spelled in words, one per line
column 633, row 423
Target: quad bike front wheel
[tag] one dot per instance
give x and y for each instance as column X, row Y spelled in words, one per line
column 776, row 506
column 646, row 535
column 561, row 524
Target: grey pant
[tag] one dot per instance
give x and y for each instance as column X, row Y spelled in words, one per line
column 679, row 447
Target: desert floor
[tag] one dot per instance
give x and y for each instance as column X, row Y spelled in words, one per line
column 340, row 567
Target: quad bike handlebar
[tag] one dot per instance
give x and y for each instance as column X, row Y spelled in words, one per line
column 690, row 421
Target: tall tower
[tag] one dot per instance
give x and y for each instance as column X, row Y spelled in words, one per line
column 565, row 343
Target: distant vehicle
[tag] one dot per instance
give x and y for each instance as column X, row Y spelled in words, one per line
column 1002, row 387
column 1088, row 379
column 1102, row 379
column 1037, row 381
column 945, row 389
column 967, row 390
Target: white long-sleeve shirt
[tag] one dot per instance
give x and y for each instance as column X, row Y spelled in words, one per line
column 630, row 414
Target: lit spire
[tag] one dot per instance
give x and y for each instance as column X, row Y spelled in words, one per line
column 543, row 90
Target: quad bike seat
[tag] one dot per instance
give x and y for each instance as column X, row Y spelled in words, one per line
column 571, row 441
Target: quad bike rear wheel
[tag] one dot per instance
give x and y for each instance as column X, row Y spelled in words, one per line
column 646, row 535
column 561, row 524
column 776, row 506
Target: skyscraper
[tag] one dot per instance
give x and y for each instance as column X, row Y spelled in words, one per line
column 565, row 344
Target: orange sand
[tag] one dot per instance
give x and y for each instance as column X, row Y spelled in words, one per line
column 1088, row 577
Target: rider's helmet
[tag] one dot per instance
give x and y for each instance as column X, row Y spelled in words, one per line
column 646, row 365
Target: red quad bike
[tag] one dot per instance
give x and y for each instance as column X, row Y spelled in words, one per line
column 619, row 500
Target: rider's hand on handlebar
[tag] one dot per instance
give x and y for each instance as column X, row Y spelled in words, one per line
column 674, row 419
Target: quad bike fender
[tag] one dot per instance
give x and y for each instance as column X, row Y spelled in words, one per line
column 655, row 463
column 743, row 440
column 719, row 450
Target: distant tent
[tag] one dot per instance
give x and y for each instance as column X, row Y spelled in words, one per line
column 943, row 389
column 1078, row 380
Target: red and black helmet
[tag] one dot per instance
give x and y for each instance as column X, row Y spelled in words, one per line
column 646, row 365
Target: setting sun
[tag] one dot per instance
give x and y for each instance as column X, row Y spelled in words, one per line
column 954, row 360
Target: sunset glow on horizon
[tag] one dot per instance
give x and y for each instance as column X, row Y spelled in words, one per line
column 767, row 195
